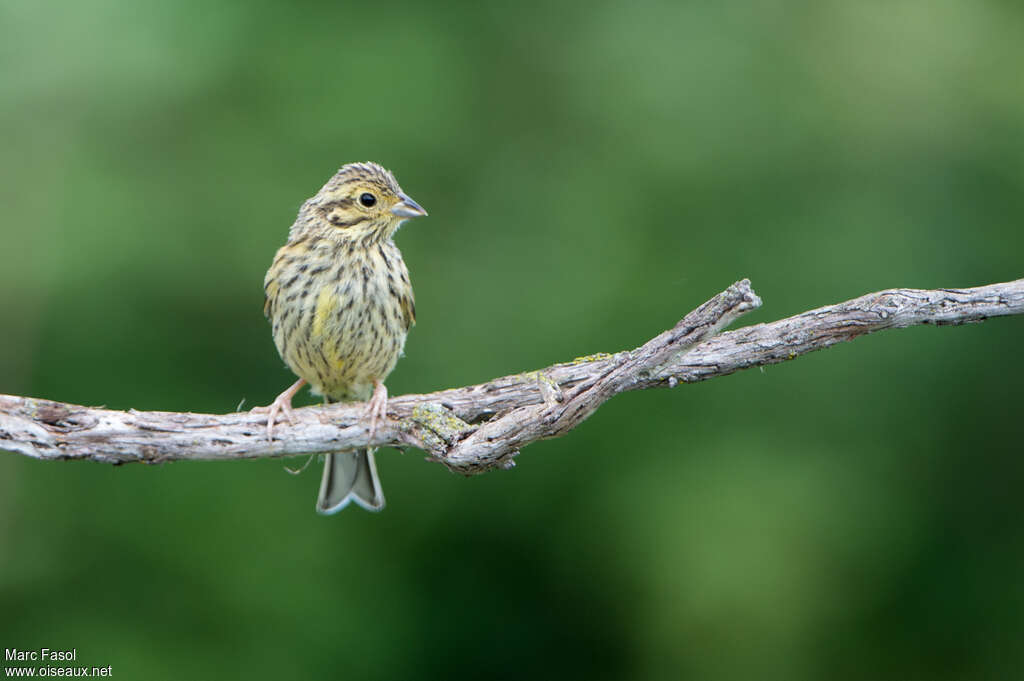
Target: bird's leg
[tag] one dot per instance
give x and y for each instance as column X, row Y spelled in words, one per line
column 377, row 406
column 282, row 404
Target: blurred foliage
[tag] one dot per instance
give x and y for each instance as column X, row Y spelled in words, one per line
column 592, row 172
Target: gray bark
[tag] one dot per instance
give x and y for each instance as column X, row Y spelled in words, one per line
column 476, row 428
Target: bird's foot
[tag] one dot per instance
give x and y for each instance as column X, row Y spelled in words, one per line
column 282, row 404
column 377, row 406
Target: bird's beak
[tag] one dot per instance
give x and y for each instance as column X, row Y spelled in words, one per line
column 407, row 208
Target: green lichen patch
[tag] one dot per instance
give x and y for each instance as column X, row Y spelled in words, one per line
column 437, row 426
column 590, row 358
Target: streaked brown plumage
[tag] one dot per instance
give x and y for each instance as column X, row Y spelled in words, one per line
column 339, row 300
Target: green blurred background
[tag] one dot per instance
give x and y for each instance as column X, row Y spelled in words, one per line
column 593, row 170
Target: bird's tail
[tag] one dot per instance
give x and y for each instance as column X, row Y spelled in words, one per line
column 350, row 476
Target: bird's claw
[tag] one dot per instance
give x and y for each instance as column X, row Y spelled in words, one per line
column 282, row 404
column 279, row 406
column 377, row 406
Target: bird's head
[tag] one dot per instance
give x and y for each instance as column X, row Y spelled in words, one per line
column 361, row 201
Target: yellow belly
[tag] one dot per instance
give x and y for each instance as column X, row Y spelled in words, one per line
column 339, row 317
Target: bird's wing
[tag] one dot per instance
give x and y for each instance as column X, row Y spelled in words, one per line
column 408, row 310
column 270, row 292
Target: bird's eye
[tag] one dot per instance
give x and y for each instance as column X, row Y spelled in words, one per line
column 367, row 199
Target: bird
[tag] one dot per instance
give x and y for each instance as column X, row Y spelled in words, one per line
column 340, row 304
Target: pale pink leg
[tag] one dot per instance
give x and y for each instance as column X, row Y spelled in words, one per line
column 281, row 405
column 377, row 407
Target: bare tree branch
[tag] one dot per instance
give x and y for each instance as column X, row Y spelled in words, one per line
column 476, row 428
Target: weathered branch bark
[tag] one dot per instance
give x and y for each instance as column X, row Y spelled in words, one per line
column 476, row 428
